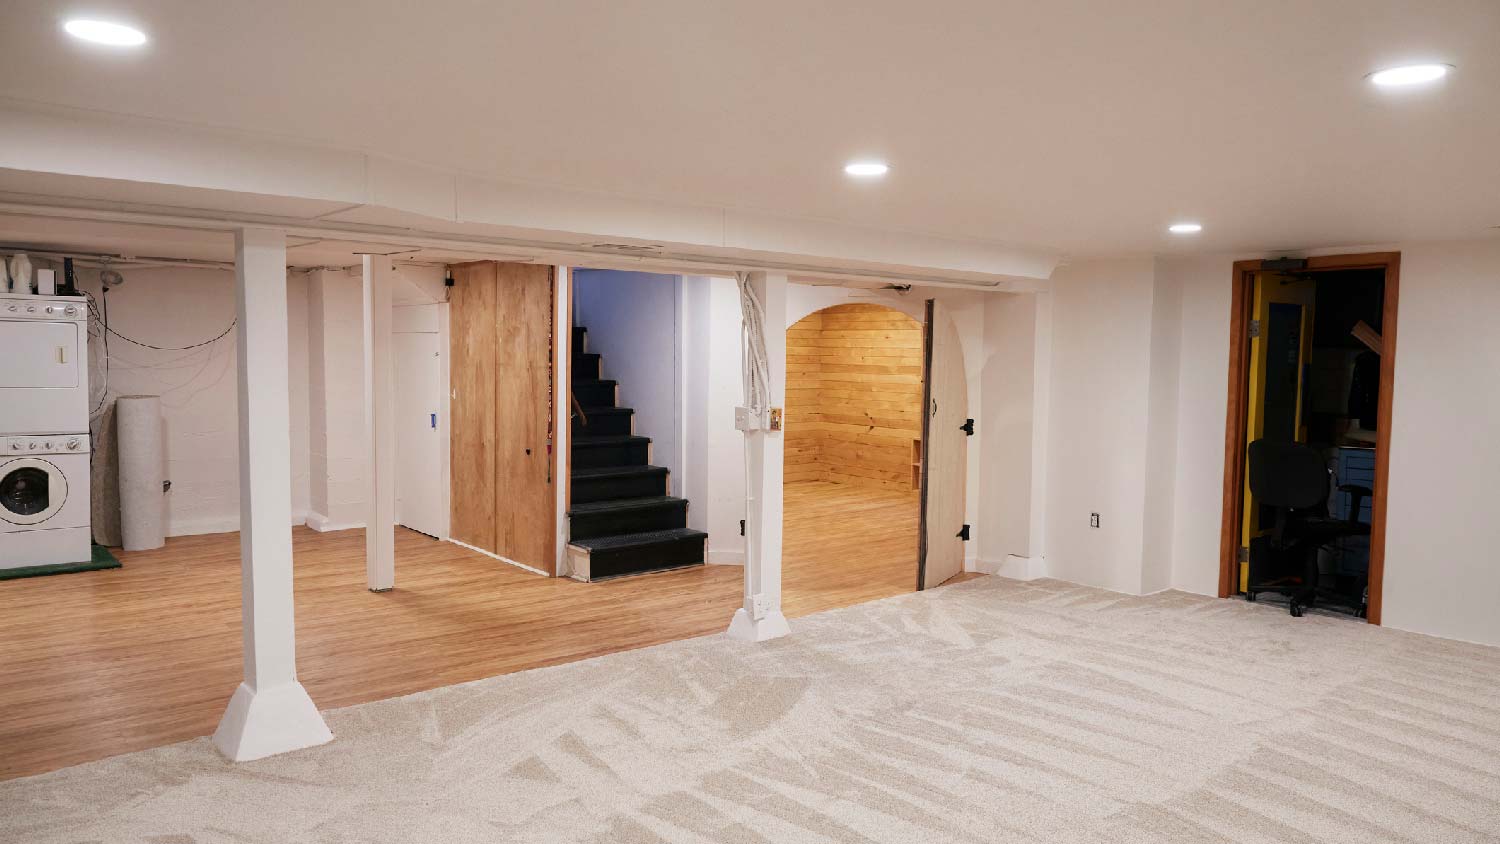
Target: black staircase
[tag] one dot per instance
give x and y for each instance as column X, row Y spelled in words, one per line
column 622, row 519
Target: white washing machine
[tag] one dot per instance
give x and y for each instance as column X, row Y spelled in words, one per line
column 44, row 500
column 44, row 424
column 44, row 374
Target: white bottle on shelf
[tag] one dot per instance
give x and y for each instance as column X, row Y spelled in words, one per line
column 20, row 273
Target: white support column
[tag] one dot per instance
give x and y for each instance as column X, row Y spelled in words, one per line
column 761, row 618
column 380, row 425
column 270, row 712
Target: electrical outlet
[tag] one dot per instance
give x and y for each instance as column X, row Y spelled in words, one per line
column 761, row 606
column 1093, row 520
column 744, row 420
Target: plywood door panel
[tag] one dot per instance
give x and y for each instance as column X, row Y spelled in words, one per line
column 945, row 451
column 503, row 497
column 525, row 505
column 472, row 356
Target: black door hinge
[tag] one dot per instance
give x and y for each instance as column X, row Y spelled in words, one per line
column 964, row 533
column 742, row 527
column 967, row 427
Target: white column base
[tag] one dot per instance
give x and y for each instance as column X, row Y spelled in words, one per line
column 747, row 629
column 264, row 723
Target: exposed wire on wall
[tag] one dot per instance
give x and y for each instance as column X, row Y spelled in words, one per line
column 99, row 327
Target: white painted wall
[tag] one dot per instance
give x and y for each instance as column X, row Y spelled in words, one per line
column 1007, row 416
column 179, row 306
column 1441, row 532
column 336, row 401
column 335, row 385
column 1202, row 395
column 632, row 321
column 1161, row 432
column 714, row 480
column 1097, row 422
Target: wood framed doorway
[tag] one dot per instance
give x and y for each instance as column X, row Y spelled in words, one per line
column 1236, row 423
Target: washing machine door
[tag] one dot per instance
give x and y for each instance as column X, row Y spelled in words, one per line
column 32, row 490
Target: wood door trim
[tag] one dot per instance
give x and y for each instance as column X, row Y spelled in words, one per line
column 927, row 327
column 1236, row 424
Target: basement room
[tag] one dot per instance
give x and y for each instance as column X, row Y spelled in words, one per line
column 695, row 423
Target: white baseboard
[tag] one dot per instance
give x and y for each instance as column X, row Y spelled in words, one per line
column 1014, row 567
column 725, row 558
column 217, row 524
column 322, row 524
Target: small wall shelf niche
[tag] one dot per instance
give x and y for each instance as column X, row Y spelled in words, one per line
column 916, row 463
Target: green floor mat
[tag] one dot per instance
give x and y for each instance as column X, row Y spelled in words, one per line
column 101, row 559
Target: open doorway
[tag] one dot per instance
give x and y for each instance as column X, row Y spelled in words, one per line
column 853, row 450
column 1311, row 360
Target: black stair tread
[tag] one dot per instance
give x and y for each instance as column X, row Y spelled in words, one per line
column 616, row 504
column 633, row 540
column 585, row 440
column 618, row 471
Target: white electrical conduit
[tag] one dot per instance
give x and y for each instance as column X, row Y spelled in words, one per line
column 757, row 368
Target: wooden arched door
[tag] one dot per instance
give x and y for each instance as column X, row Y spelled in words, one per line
column 945, row 450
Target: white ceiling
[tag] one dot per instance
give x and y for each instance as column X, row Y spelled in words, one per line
column 1080, row 125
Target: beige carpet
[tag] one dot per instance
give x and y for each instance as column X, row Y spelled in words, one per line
column 988, row 711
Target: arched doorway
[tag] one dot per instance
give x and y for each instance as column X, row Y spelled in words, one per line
column 853, row 452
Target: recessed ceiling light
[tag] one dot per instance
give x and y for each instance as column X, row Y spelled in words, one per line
column 1185, row 228
column 1411, row 74
column 104, row 32
column 867, row 168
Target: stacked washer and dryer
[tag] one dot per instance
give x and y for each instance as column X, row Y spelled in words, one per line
column 44, row 431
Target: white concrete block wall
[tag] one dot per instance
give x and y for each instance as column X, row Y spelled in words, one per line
column 179, row 306
column 336, row 402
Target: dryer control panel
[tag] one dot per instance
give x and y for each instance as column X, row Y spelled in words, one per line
column 51, row 308
column 44, row 444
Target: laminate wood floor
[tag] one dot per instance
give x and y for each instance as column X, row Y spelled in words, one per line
column 101, row 663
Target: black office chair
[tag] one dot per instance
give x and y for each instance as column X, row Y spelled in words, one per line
column 1292, row 479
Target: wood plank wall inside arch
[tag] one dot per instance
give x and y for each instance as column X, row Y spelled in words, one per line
column 854, row 394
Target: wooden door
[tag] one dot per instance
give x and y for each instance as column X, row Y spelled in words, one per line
column 473, row 352
column 503, row 495
column 945, row 450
